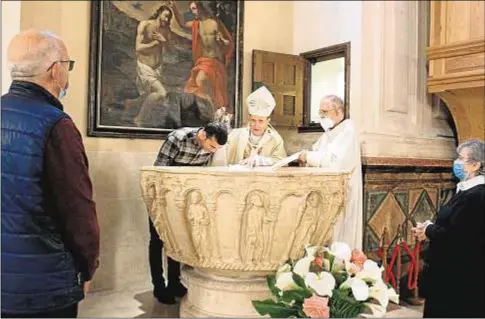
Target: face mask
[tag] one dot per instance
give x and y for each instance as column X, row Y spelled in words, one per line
column 62, row 94
column 326, row 123
column 63, row 91
column 459, row 170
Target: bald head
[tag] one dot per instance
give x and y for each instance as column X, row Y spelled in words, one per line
column 32, row 52
column 40, row 57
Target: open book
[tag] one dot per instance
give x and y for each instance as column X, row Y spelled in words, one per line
column 286, row 160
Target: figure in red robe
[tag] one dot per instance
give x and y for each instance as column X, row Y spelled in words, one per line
column 212, row 50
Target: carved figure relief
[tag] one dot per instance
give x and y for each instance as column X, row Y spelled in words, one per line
column 152, row 195
column 308, row 216
column 199, row 220
column 157, row 208
column 214, row 218
column 269, row 222
column 333, row 202
column 256, row 220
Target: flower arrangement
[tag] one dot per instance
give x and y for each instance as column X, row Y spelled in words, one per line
column 334, row 282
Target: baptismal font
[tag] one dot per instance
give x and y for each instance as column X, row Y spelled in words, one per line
column 232, row 227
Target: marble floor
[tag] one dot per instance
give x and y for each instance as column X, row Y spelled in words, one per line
column 125, row 304
column 142, row 304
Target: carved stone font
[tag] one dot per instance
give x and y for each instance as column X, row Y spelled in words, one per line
column 240, row 223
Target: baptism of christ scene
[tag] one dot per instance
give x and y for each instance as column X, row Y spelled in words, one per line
column 168, row 64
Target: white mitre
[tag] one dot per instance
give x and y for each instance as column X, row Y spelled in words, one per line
column 261, row 102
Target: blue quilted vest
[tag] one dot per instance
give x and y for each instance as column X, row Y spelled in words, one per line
column 38, row 271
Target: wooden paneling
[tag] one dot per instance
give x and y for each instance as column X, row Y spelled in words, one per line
column 283, row 75
column 467, row 107
column 465, row 63
column 457, row 69
column 477, row 9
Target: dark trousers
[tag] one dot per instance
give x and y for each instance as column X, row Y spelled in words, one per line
column 68, row 312
column 155, row 257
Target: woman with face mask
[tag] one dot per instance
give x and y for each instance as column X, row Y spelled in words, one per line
column 454, row 280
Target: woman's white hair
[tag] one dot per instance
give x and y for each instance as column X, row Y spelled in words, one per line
column 476, row 153
column 32, row 52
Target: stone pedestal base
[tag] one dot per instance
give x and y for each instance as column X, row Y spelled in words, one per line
column 220, row 296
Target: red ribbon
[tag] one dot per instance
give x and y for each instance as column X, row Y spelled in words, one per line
column 413, row 268
column 389, row 274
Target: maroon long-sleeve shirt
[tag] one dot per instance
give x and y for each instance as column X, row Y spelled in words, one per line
column 66, row 168
column 68, row 186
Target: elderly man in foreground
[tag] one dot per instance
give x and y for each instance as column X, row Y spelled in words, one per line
column 50, row 232
column 339, row 148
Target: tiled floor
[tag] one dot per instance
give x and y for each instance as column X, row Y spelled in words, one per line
column 142, row 304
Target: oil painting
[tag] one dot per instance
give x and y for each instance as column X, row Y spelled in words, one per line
column 156, row 66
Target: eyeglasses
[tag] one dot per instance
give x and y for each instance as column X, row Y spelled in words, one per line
column 325, row 112
column 71, row 64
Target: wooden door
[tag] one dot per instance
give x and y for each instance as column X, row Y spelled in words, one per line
column 283, row 75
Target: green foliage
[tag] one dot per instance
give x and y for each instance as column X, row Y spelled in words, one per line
column 297, row 295
column 331, row 258
column 340, row 277
column 288, row 303
column 299, row 281
column 271, row 280
column 275, row 309
column 342, row 305
column 314, row 267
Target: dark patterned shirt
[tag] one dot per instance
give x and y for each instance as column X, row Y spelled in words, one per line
column 181, row 149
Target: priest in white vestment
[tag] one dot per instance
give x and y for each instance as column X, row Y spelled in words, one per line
column 339, row 148
column 257, row 144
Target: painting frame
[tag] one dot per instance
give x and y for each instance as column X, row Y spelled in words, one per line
column 95, row 129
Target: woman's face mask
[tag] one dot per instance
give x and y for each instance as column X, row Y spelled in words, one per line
column 463, row 168
column 459, row 170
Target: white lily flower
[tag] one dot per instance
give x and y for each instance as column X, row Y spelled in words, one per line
column 360, row 290
column 379, row 292
column 393, row 296
column 341, row 251
column 377, row 310
column 283, row 268
column 371, row 272
column 302, row 266
column 323, row 284
column 285, row 282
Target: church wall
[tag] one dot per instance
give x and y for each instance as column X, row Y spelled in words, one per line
column 401, row 119
column 406, row 141
column 318, row 24
column 389, row 103
column 397, row 122
column 115, row 163
column 10, row 27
